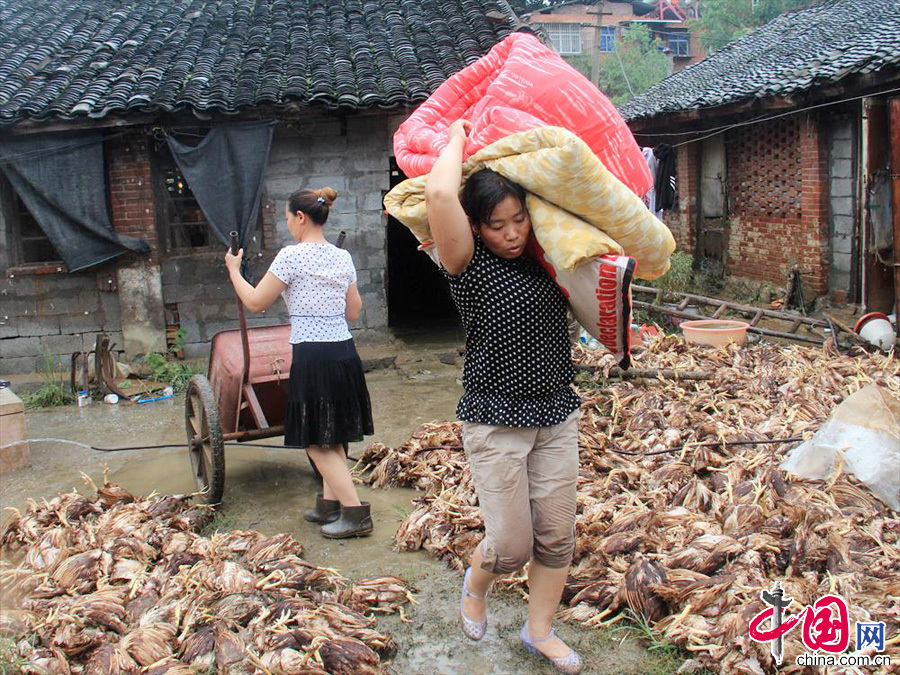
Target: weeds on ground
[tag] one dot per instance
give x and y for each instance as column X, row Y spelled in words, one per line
column 221, row 522
column 164, row 368
column 54, row 389
column 175, row 373
column 10, row 662
column 668, row 658
column 679, row 278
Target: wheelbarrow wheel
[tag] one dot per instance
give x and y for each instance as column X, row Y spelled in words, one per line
column 205, row 444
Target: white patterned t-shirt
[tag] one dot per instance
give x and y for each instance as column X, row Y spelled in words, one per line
column 317, row 278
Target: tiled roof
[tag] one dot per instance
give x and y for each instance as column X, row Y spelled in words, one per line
column 77, row 58
column 793, row 53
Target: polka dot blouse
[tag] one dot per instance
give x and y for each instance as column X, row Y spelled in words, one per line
column 518, row 367
column 317, row 278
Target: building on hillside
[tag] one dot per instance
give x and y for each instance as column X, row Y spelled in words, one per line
column 783, row 144
column 570, row 26
column 100, row 229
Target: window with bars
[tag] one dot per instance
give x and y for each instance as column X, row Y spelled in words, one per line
column 181, row 222
column 565, row 37
column 28, row 243
column 679, row 44
column 607, row 38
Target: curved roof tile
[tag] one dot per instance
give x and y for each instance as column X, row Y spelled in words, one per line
column 91, row 58
column 794, row 52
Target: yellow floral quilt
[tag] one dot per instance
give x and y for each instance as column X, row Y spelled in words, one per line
column 578, row 209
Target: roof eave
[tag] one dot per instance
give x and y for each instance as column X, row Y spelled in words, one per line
column 860, row 84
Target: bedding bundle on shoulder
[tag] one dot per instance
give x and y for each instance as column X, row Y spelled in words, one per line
column 540, row 123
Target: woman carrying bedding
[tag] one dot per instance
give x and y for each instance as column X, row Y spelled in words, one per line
column 519, row 412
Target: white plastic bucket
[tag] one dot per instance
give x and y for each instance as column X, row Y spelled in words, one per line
column 876, row 329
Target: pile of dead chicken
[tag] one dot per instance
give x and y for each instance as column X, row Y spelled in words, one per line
column 118, row 584
column 688, row 539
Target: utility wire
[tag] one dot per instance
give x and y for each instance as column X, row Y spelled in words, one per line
column 622, row 67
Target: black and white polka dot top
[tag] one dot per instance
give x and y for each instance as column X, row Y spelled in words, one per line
column 518, row 366
column 317, row 278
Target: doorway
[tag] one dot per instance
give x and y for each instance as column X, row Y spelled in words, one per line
column 418, row 294
column 713, row 240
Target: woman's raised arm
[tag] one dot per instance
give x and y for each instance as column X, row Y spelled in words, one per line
column 446, row 218
column 254, row 299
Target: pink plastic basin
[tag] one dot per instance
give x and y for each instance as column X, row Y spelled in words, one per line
column 716, row 332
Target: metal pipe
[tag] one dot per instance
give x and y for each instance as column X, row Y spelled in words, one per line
column 245, row 337
column 894, row 126
column 861, row 191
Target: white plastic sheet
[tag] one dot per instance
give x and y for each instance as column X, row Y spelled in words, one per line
column 865, row 429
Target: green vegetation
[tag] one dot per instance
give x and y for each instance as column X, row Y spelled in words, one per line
column 54, row 389
column 163, row 367
column 680, row 275
column 724, row 21
column 176, row 373
column 668, row 657
column 10, row 662
column 635, row 66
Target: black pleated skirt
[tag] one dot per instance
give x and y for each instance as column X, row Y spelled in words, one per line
column 328, row 403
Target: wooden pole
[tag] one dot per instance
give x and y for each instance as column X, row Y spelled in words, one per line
column 597, row 43
column 894, row 126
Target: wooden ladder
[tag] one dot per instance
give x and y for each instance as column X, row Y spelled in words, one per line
column 754, row 315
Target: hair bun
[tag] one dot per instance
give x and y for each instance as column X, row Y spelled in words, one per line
column 327, row 195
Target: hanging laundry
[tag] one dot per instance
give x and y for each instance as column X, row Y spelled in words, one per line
column 650, row 197
column 664, row 183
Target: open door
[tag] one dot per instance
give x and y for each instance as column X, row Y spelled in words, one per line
column 417, row 293
column 712, row 240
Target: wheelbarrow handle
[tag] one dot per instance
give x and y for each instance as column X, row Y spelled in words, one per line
column 341, row 237
column 235, row 246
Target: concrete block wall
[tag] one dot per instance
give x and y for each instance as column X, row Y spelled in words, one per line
column 309, row 153
column 47, row 313
column 355, row 162
column 842, row 203
column 50, row 316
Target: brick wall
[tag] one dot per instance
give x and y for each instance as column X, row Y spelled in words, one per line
column 682, row 221
column 131, row 188
column 60, row 313
column 777, row 192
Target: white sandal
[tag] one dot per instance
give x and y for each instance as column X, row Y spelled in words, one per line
column 570, row 664
column 474, row 630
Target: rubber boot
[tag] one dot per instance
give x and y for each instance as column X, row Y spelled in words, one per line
column 355, row 521
column 326, row 511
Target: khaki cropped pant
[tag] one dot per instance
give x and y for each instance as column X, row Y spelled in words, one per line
column 525, row 481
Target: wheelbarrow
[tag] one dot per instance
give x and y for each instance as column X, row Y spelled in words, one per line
column 242, row 398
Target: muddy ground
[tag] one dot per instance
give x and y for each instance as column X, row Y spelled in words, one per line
column 266, row 490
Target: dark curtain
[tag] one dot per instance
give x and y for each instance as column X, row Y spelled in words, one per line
column 62, row 181
column 665, row 174
column 225, row 172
